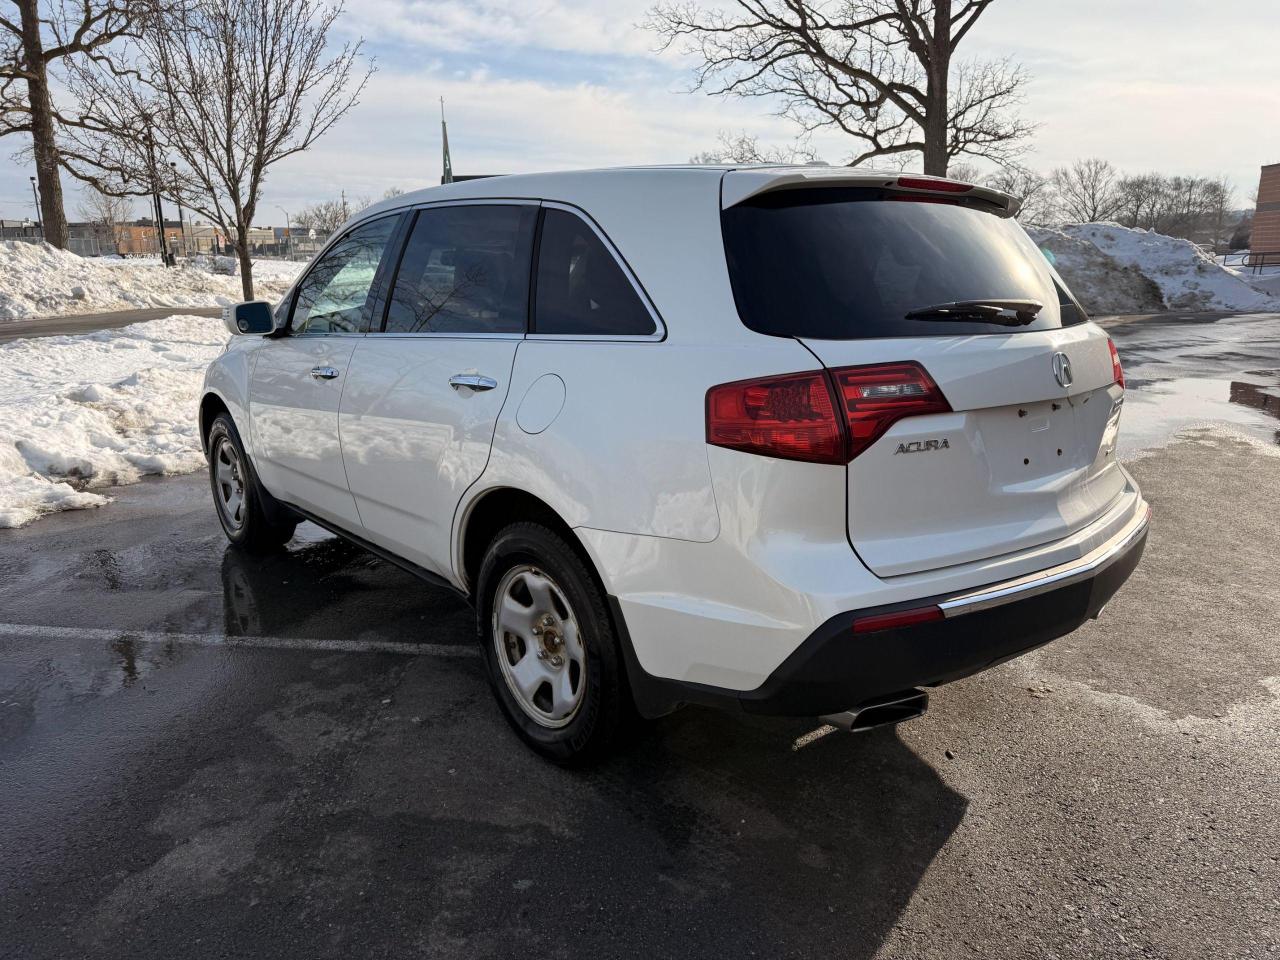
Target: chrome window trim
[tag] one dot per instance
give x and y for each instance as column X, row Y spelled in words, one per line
column 1052, row 578
column 445, row 335
column 346, row 334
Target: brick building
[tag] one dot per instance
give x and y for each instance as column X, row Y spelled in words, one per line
column 1266, row 219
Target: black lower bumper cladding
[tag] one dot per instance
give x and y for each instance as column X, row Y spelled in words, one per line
column 836, row 669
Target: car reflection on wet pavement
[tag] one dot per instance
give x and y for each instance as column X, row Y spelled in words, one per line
column 207, row 754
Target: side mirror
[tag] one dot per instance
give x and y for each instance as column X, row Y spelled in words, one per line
column 253, row 317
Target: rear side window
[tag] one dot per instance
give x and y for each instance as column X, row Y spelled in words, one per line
column 465, row 269
column 334, row 295
column 581, row 288
column 847, row 264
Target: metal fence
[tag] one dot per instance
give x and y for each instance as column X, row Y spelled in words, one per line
column 302, row 248
column 1255, row 260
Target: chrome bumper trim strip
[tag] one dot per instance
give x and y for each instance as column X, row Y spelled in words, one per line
column 1042, row 581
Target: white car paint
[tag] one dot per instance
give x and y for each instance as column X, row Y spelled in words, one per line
column 412, row 443
column 723, row 562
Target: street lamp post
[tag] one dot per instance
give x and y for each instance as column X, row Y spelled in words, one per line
column 177, row 198
column 35, row 195
column 288, row 229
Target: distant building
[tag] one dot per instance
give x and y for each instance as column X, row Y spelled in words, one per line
column 1266, row 219
column 137, row 238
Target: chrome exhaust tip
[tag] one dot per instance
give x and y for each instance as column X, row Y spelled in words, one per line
column 895, row 708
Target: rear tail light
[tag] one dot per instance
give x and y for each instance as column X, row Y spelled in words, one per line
column 1117, row 371
column 808, row 416
column 790, row 417
column 876, row 397
column 899, row 618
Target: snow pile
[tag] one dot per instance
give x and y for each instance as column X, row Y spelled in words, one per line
column 1184, row 276
column 1102, row 285
column 89, row 411
column 37, row 280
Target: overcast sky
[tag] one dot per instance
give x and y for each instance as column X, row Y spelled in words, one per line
column 1180, row 86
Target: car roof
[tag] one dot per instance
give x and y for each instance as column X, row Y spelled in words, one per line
column 737, row 183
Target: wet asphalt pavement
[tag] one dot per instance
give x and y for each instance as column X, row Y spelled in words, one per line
column 207, row 755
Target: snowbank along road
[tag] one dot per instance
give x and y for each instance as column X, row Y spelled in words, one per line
column 37, row 280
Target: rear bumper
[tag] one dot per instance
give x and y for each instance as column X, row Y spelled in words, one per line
column 835, row 669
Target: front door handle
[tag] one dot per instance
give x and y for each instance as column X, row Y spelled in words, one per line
column 324, row 373
column 473, row 380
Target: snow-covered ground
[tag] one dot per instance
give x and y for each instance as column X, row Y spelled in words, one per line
column 84, row 412
column 37, row 280
column 1115, row 270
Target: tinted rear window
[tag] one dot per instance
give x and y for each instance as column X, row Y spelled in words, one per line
column 848, row 264
column 582, row 290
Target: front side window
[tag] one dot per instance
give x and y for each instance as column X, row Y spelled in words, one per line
column 582, row 290
column 465, row 270
column 334, row 295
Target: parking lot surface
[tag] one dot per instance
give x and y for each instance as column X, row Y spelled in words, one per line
column 209, row 755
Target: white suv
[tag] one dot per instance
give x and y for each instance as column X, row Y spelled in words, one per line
column 790, row 440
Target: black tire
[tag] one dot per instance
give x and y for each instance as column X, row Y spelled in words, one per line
column 605, row 708
column 238, row 499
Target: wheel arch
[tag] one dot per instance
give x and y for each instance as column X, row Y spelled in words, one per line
column 211, row 404
column 497, row 507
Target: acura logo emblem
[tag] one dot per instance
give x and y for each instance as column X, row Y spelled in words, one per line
column 1062, row 369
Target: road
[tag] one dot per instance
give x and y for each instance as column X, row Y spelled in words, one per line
column 89, row 322
column 205, row 755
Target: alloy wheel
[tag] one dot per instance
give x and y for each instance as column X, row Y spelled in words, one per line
column 539, row 646
column 228, row 483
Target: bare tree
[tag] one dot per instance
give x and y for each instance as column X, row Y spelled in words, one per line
column 745, row 148
column 964, row 170
column 1138, row 199
column 323, row 217
column 41, row 35
column 1219, row 196
column 107, row 215
column 1179, row 206
column 245, row 84
column 1034, row 190
column 229, row 87
column 1087, row 190
column 882, row 71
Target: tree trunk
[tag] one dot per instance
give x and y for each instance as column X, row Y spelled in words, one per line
column 246, row 264
column 936, row 94
column 44, row 139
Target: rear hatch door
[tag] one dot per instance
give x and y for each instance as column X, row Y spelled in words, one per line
column 1026, row 454
column 1021, row 460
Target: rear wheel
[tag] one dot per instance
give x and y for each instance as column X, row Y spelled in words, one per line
column 237, row 498
column 549, row 645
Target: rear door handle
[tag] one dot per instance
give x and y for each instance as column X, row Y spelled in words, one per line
column 324, row 373
column 473, row 380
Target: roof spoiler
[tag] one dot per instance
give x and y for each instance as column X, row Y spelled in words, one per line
column 741, row 185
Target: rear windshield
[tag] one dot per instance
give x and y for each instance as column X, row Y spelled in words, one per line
column 848, row 264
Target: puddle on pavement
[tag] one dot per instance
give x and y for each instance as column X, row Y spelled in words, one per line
column 1155, row 410
column 1183, row 376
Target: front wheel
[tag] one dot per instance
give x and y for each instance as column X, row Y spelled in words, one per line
column 549, row 645
column 236, row 496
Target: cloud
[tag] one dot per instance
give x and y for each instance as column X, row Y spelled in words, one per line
column 505, row 125
column 582, row 26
